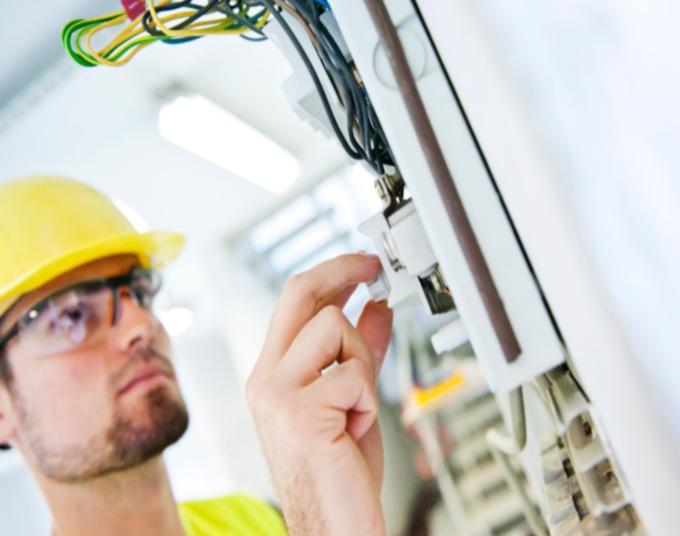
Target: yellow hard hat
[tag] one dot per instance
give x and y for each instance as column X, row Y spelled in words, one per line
column 50, row 225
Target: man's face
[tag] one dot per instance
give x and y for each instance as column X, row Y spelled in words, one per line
column 100, row 407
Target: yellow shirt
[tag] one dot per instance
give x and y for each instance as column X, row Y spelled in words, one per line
column 233, row 515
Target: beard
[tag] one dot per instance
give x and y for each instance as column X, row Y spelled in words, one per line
column 133, row 438
column 134, row 443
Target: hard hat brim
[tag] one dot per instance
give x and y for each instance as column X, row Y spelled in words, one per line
column 154, row 249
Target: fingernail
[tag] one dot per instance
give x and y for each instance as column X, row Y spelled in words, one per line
column 371, row 256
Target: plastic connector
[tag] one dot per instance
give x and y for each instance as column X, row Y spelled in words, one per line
column 133, row 8
column 380, row 288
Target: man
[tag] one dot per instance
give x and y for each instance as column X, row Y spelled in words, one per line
column 89, row 398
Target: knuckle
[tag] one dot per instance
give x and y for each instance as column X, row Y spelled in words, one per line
column 260, row 395
column 304, row 285
column 298, row 284
column 332, row 314
column 293, row 281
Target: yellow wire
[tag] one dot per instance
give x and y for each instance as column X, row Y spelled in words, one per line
column 90, row 33
column 131, row 54
column 186, row 32
column 135, row 29
column 167, row 31
column 122, row 16
column 126, row 33
column 131, row 31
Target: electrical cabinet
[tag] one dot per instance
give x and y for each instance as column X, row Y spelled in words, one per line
column 528, row 372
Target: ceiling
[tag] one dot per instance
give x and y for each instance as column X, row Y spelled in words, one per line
column 99, row 124
column 35, row 41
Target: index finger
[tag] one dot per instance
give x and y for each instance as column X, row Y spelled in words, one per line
column 307, row 292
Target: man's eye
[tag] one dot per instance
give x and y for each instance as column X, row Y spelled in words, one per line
column 70, row 319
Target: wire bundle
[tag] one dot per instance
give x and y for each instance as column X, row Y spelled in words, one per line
column 168, row 21
column 363, row 138
column 179, row 21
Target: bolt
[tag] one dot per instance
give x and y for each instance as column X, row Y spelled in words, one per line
column 382, row 192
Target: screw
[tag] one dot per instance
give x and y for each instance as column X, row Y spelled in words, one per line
column 382, row 191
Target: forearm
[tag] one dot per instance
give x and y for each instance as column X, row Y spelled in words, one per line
column 337, row 502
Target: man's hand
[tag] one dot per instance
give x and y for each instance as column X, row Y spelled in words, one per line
column 319, row 431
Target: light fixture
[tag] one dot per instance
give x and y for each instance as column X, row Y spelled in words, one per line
column 204, row 128
column 176, row 320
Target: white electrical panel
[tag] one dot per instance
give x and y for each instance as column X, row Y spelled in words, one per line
column 543, row 441
column 540, row 345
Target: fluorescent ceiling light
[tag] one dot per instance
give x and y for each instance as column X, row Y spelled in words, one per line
column 197, row 124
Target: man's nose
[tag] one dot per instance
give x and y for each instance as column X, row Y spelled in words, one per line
column 134, row 324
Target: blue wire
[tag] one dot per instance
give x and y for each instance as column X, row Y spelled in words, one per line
column 323, row 3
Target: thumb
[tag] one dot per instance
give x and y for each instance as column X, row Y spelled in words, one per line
column 375, row 326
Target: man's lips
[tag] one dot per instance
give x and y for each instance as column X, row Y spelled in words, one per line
column 143, row 375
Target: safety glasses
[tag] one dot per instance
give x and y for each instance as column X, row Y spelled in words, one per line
column 80, row 314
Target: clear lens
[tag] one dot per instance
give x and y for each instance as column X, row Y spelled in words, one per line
column 83, row 314
column 144, row 286
column 67, row 320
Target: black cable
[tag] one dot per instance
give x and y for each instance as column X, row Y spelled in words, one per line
column 252, row 38
column 147, row 20
column 210, row 6
column 348, row 98
column 336, row 66
column 315, row 78
column 245, row 21
column 373, row 146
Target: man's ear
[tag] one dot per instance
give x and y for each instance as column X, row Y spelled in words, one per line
column 7, row 420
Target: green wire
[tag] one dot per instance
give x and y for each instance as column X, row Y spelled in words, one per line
column 73, row 33
column 80, row 26
column 128, row 45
